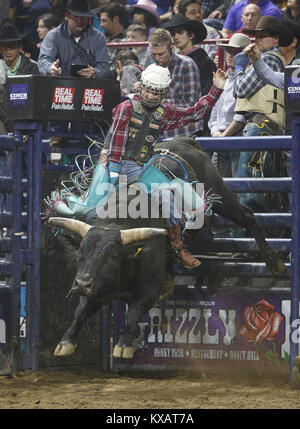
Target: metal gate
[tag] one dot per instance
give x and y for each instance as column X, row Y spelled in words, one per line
column 19, row 248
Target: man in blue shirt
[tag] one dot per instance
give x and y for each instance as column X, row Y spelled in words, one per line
column 233, row 20
column 74, row 42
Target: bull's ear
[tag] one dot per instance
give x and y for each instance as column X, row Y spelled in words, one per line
column 138, row 234
column 74, row 225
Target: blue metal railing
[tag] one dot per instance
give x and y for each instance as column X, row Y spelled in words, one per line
column 274, row 143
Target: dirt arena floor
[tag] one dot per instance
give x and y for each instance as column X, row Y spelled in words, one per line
column 96, row 390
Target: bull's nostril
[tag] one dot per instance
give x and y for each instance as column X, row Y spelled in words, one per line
column 83, row 286
column 81, row 281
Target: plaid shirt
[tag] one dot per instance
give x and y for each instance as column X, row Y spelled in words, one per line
column 247, row 84
column 184, row 91
column 113, row 52
column 173, row 117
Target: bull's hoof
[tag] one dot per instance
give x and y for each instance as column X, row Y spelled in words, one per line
column 64, row 349
column 118, row 351
column 128, row 352
column 123, row 352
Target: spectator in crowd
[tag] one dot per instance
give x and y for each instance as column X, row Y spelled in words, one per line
column 269, row 76
column 32, row 9
column 221, row 119
column 187, row 34
column 74, row 42
column 161, row 5
column 144, row 12
column 128, row 71
column 96, row 12
column 13, row 63
column 45, row 23
column 191, row 9
column 139, row 33
column 291, row 52
column 185, row 88
column 250, row 16
column 233, row 21
column 215, row 9
column 292, row 10
column 114, row 20
column 263, row 104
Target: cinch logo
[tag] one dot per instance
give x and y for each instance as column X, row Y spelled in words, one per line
column 63, row 98
column 92, row 99
column 18, row 94
column 2, row 332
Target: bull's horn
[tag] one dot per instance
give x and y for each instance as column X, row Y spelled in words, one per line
column 74, row 225
column 137, row 234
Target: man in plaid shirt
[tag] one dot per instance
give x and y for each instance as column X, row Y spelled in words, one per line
column 185, row 88
column 261, row 103
column 114, row 20
column 138, row 122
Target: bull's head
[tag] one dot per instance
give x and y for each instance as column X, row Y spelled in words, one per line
column 101, row 251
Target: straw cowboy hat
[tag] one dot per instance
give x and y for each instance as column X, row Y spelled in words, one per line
column 238, row 41
column 273, row 25
column 148, row 6
column 9, row 33
column 194, row 27
column 79, row 8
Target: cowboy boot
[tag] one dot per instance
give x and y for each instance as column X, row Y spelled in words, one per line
column 174, row 233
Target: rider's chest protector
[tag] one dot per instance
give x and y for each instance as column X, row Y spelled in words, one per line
column 144, row 129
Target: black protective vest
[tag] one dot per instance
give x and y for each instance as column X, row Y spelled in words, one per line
column 144, row 129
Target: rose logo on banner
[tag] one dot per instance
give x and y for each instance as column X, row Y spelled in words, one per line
column 261, row 322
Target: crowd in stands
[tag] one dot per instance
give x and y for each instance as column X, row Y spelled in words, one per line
column 189, row 37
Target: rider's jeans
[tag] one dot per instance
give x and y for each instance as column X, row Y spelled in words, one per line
column 133, row 171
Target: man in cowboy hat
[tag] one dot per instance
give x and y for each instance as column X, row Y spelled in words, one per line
column 191, row 9
column 262, row 104
column 74, row 42
column 290, row 53
column 187, row 34
column 13, row 63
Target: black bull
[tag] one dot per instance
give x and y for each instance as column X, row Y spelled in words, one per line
column 112, row 266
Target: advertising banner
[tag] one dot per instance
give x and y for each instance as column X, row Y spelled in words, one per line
column 226, row 329
column 61, row 98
